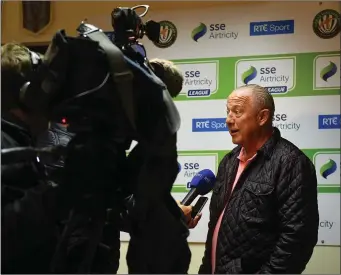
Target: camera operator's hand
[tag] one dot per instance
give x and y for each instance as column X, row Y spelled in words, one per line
column 187, row 210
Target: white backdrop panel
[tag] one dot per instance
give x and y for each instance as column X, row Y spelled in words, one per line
column 299, row 123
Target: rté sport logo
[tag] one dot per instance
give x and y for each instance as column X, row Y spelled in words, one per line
column 329, row 121
column 272, row 27
column 280, row 120
column 326, row 25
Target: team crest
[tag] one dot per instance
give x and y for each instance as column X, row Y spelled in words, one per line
column 168, row 34
column 326, row 24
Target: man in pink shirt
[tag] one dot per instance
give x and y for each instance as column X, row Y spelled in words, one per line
column 263, row 211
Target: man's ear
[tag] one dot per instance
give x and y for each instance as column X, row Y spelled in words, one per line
column 263, row 117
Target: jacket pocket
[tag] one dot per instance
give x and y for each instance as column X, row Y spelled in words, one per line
column 256, row 202
column 217, row 198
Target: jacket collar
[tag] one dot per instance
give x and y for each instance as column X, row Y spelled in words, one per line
column 266, row 150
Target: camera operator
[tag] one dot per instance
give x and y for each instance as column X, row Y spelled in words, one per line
column 141, row 257
column 173, row 78
column 28, row 230
column 108, row 253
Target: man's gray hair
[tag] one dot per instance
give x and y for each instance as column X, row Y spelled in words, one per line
column 264, row 100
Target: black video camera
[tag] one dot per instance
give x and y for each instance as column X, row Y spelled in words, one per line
column 94, row 83
column 129, row 27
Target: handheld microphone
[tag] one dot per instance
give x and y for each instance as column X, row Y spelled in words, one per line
column 202, row 183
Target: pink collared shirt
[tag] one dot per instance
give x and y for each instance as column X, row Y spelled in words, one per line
column 242, row 164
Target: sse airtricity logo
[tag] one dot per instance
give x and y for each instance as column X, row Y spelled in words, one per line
column 328, row 71
column 199, row 32
column 190, row 165
column 327, row 165
column 328, row 168
column 200, row 78
column 214, row 31
column 284, row 122
column 249, row 75
column 277, row 75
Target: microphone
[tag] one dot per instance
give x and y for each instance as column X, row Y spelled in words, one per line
column 202, row 183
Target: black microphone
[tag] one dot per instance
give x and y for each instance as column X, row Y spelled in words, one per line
column 202, row 183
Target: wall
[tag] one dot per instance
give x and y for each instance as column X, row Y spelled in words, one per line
column 303, row 45
column 221, row 60
column 301, row 57
column 68, row 15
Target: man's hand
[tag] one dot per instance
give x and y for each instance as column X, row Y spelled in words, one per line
column 187, row 210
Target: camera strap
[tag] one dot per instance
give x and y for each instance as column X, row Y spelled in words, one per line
column 121, row 74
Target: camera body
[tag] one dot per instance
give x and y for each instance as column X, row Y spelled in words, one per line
column 95, row 83
column 129, row 27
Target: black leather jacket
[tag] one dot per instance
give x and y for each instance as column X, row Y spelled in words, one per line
column 28, row 213
column 107, row 256
column 270, row 225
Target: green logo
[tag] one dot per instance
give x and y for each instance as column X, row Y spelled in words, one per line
column 328, row 71
column 199, row 32
column 328, row 168
column 249, row 75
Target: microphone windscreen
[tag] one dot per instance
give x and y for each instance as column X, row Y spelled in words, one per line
column 203, row 181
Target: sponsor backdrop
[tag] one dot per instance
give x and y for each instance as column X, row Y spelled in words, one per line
column 292, row 49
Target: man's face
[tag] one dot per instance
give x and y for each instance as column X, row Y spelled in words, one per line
column 241, row 116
